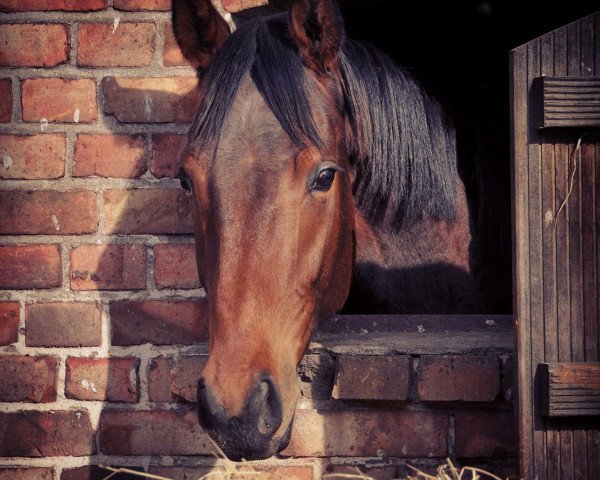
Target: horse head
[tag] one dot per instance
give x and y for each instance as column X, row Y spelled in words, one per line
column 268, row 171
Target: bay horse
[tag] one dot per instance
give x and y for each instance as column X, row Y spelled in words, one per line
column 315, row 165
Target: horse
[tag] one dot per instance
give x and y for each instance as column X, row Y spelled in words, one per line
column 323, row 178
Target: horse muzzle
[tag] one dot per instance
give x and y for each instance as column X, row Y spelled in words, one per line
column 249, row 435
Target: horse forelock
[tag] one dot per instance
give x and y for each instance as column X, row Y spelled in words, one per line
column 402, row 145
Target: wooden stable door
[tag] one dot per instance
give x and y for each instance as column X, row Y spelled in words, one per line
column 556, row 213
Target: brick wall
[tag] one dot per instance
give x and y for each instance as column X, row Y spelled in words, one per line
column 102, row 319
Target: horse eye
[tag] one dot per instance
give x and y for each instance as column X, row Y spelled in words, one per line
column 324, row 180
column 184, row 179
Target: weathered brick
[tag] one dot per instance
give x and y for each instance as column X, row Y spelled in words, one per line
column 170, row 380
column 368, row 433
column 160, row 322
column 316, row 373
column 30, row 266
column 46, row 434
column 169, row 99
column 47, row 5
column 108, row 267
column 38, row 45
column 372, row 473
column 25, row 473
column 156, row 432
column 484, row 434
column 159, row 379
column 114, row 379
column 185, row 375
column 27, row 379
column 63, row 324
column 48, row 212
column 458, row 378
column 131, row 5
column 6, row 100
column 254, row 472
column 120, row 156
column 94, row 472
column 166, row 153
column 148, row 211
column 175, row 266
column 127, row 45
column 172, row 55
column 32, row 157
column 363, row 377
column 59, row 100
column 9, row 322
column 239, row 5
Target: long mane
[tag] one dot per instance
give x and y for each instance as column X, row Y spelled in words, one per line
column 402, row 146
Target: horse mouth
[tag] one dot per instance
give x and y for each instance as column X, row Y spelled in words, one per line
column 240, row 446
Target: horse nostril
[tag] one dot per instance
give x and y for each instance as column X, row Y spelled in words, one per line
column 266, row 405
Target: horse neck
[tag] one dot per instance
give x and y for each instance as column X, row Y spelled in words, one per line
column 416, row 268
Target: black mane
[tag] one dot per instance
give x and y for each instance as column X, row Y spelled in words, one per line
column 402, row 146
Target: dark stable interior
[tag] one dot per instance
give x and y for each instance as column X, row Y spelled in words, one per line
column 460, row 52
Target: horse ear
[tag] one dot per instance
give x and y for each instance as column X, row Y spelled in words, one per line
column 199, row 29
column 318, row 29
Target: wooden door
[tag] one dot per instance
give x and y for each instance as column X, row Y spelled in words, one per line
column 555, row 102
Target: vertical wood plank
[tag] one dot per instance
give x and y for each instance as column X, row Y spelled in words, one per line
column 536, row 263
column 520, row 240
column 549, row 337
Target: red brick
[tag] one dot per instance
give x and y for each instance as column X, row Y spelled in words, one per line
column 159, row 379
column 32, row 157
column 166, row 153
column 367, row 472
column 46, row 434
column 170, row 380
column 462, row 378
column 160, row 322
column 156, row 432
column 47, row 5
column 9, row 322
column 95, row 472
column 127, row 45
column 239, row 5
column 363, row 377
column 130, row 5
column 401, row 433
column 39, row 45
column 63, row 324
column 143, row 100
column 27, row 379
column 59, row 100
column 30, row 266
column 484, row 434
column 175, row 266
column 148, row 211
column 114, row 379
column 316, row 373
column 254, row 472
column 185, row 375
column 108, row 267
column 48, row 212
column 172, row 55
column 121, row 156
column 24, row 473
column 6, row 99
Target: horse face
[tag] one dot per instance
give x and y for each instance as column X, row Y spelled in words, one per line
column 274, row 233
column 275, row 251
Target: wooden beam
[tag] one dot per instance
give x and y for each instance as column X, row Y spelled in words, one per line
column 569, row 101
column 569, row 389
